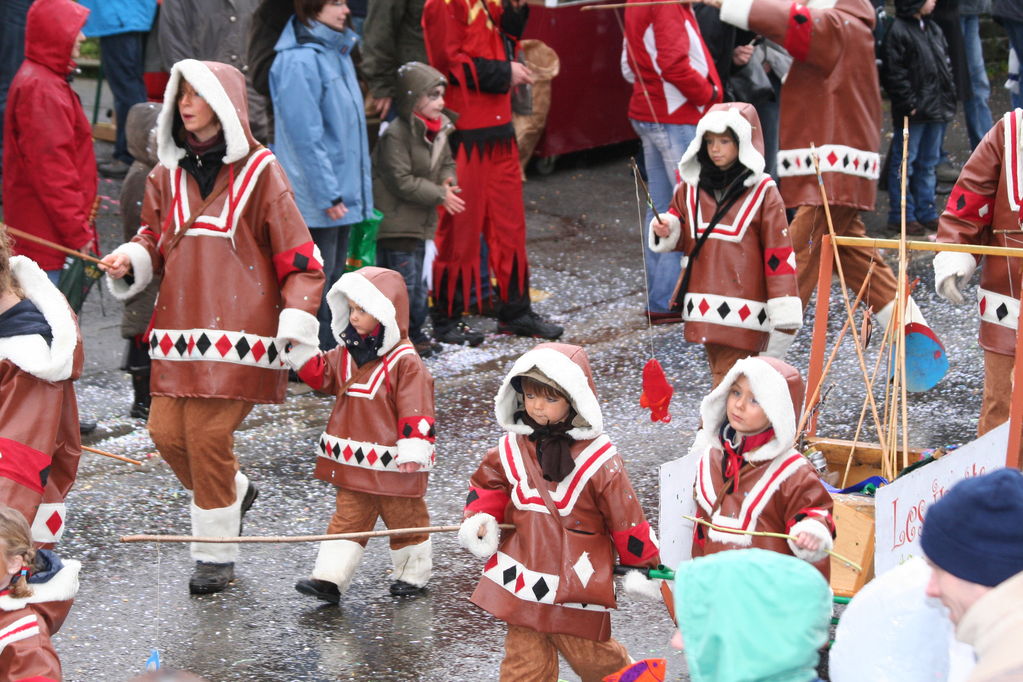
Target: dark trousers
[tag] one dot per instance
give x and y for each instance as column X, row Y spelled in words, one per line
column 12, row 49
column 333, row 245
column 409, row 264
column 122, row 56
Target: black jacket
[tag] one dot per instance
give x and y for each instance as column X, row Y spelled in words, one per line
column 916, row 72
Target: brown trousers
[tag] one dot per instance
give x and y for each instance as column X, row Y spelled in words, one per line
column 195, row 436
column 721, row 358
column 357, row 512
column 531, row 656
column 807, row 229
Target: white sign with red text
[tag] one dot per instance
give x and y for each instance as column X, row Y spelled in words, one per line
column 900, row 508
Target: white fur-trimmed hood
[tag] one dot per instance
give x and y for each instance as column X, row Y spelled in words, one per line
column 778, row 388
column 61, row 587
column 378, row 291
column 223, row 88
column 568, row 367
column 31, row 353
column 741, row 119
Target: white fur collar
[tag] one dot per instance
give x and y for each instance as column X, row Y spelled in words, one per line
column 565, row 373
column 53, row 362
column 61, row 587
column 210, row 89
column 717, row 121
column 355, row 286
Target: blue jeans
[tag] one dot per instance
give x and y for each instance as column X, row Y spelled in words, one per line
column 1015, row 31
column 978, row 115
column 12, row 49
column 122, row 68
column 663, row 146
column 53, row 276
column 333, row 245
column 924, row 153
column 409, row 264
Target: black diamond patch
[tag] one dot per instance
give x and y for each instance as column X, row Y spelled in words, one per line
column 431, row 433
column 300, row 262
column 1001, row 311
column 723, row 310
column 800, row 18
column 153, row 343
column 242, row 347
column 762, row 316
column 323, row 445
column 636, row 545
column 540, row 589
column 181, row 345
column 336, row 450
column 786, row 163
column 509, row 574
column 203, row 343
column 359, row 456
column 689, row 307
column 809, row 162
column 471, row 497
column 961, row 202
column 773, row 262
column 271, row 351
column 386, row 458
column 845, row 161
column 406, row 430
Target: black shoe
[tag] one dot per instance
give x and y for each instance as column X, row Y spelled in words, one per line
column 400, row 588
column 142, row 400
column 426, row 348
column 114, row 168
column 208, row 578
column 250, row 496
column 86, row 426
column 459, row 334
column 530, row 324
column 324, row 590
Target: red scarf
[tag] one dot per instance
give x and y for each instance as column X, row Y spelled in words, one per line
column 433, row 125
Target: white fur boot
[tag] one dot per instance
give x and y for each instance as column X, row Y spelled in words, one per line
column 336, row 562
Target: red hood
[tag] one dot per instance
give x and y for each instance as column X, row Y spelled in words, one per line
column 50, row 32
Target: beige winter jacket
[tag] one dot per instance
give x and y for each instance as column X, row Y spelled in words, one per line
column 992, row 626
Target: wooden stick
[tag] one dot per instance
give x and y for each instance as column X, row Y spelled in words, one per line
column 767, row 534
column 52, row 245
column 902, row 298
column 845, row 292
column 112, row 455
column 302, row 538
column 1011, row 251
column 626, row 5
column 831, row 358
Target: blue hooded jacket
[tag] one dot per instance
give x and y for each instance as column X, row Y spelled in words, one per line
column 320, row 124
column 112, row 17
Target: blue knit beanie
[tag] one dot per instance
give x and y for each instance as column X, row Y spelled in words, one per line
column 975, row 532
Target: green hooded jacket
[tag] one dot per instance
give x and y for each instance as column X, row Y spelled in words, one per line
column 752, row 615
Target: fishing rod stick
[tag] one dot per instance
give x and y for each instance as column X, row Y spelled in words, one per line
column 52, row 245
column 627, row 5
column 111, row 455
column 302, row 538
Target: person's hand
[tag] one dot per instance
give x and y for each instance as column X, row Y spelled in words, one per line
column 810, row 543
column 383, row 105
column 742, row 54
column 117, row 265
column 712, row 3
column 660, row 228
column 520, row 74
column 337, row 211
column 409, row 467
column 952, row 273
column 516, row 4
column 452, row 202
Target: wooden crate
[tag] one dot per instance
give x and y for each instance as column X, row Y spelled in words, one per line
column 866, row 460
column 104, row 131
column 854, row 520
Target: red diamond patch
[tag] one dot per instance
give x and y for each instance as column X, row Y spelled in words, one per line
column 856, row 164
column 983, row 304
column 744, row 312
column 191, row 343
column 54, row 523
column 166, row 344
column 704, row 307
column 491, row 562
column 832, row 158
column 224, row 345
column 347, row 452
column 372, row 457
column 259, row 350
column 520, row 582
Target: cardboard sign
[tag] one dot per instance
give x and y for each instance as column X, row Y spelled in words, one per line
column 676, row 533
column 900, row 508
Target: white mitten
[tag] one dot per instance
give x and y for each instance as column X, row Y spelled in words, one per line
column 638, row 586
column 819, row 531
column 952, row 270
column 664, row 244
column 298, row 354
column 468, row 535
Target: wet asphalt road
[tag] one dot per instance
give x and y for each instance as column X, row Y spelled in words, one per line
column 585, row 252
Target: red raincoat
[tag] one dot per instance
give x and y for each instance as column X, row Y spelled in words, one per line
column 50, row 179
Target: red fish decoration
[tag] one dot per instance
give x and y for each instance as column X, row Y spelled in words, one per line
column 657, row 392
column 647, row 670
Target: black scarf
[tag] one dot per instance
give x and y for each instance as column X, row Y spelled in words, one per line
column 363, row 348
column 553, row 445
column 203, row 160
column 22, row 319
column 714, row 178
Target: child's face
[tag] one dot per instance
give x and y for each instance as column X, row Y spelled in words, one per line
column 363, row 322
column 334, row 14
column 9, row 566
column 721, row 149
column 544, row 410
column 744, row 412
column 196, row 114
column 431, row 104
column 76, row 50
column 928, row 7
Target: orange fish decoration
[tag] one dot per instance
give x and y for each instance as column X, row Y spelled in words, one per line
column 657, row 392
column 647, row 670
